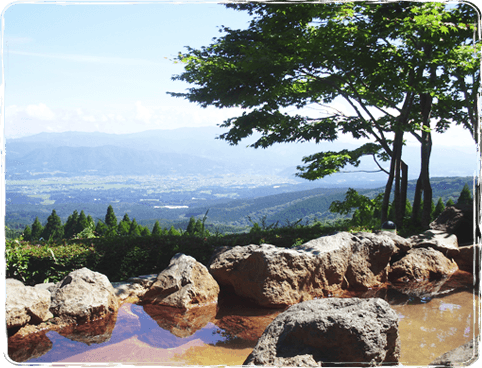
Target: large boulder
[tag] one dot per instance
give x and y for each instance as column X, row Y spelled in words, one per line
column 25, row 304
column 185, row 283
column 83, row 296
column 468, row 258
column 273, row 276
column 422, row 264
column 328, row 332
column 458, row 220
column 442, row 241
column 461, row 356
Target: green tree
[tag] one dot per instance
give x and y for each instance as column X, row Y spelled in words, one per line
column 123, row 228
column 465, row 195
column 83, row 222
column 101, row 228
column 191, row 226
column 401, row 67
column 450, row 202
column 199, row 228
column 156, row 230
column 363, row 208
column 134, row 229
column 53, row 229
column 173, row 231
column 71, row 226
column 439, row 208
column 145, row 231
column 110, row 219
column 37, row 229
column 27, row 233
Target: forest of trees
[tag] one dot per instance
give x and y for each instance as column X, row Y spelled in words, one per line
column 364, row 212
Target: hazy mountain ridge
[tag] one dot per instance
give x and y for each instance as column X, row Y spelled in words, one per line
column 158, row 151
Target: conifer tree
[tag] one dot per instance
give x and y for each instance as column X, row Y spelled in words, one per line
column 123, row 228
column 432, row 211
column 126, row 218
column 450, row 202
column 82, row 223
column 439, row 208
column 198, row 229
column 134, row 229
column 156, row 230
column 90, row 221
column 174, row 231
column 37, row 229
column 53, row 229
column 101, row 228
column 110, row 219
column 191, row 226
column 71, row 225
column 145, row 231
column 465, row 195
column 27, row 233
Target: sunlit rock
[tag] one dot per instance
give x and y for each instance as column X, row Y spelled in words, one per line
column 25, row 304
column 273, row 276
column 331, row 331
column 83, row 296
column 184, row 284
column 422, row 264
column 437, row 239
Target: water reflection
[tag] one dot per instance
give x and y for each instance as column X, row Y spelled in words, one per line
column 429, row 326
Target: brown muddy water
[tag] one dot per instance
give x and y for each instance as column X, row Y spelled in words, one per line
column 225, row 335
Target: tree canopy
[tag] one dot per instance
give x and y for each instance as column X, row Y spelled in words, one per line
column 401, row 67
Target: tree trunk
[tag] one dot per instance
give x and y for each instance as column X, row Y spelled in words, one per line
column 398, row 142
column 417, row 200
column 427, row 188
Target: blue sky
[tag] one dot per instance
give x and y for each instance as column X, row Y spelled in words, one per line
column 107, row 67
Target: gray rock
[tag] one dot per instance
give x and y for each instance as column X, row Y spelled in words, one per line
column 273, row 276
column 462, row 356
column 25, row 304
column 328, row 332
column 185, row 283
column 84, row 295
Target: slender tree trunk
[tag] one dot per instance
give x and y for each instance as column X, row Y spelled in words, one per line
column 427, row 188
column 388, row 190
column 417, row 200
column 404, row 189
column 398, row 142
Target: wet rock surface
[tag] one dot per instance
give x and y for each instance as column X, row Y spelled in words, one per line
column 184, row 284
column 329, row 332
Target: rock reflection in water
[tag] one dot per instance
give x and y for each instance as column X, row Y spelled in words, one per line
column 21, row 349
column 429, row 326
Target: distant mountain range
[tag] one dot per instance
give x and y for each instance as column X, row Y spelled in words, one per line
column 188, row 151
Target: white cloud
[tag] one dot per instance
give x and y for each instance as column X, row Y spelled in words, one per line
column 40, row 111
column 143, row 113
